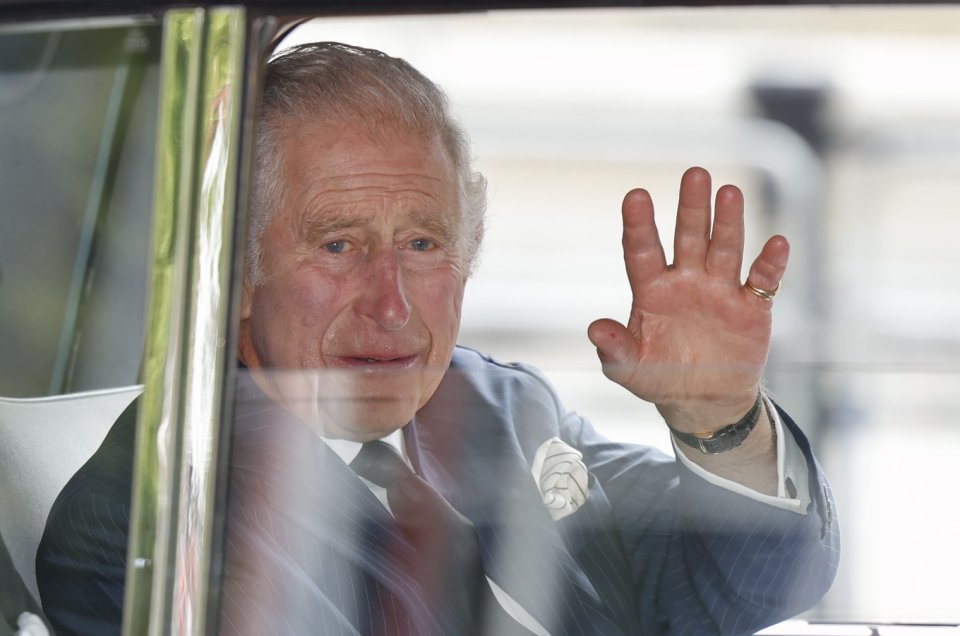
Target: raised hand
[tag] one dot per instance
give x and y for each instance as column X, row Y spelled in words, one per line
column 697, row 339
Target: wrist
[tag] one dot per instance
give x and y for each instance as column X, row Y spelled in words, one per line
column 708, row 414
column 720, row 438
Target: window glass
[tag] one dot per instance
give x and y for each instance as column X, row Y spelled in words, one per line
column 78, row 103
column 77, row 128
column 839, row 126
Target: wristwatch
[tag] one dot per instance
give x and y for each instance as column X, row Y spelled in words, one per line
column 727, row 438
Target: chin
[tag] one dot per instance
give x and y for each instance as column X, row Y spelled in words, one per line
column 365, row 418
column 343, row 404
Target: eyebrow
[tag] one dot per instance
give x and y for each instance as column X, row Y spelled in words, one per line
column 315, row 226
column 444, row 228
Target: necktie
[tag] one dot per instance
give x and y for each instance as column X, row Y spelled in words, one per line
column 449, row 568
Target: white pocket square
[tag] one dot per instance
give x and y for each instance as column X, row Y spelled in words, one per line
column 561, row 477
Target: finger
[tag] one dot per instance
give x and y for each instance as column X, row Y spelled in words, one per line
column 725, row 250
column 693, row 220
column 767, row 270
column 615, row 346
column 642, row 251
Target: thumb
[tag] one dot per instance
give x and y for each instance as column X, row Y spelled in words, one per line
column 613, row 342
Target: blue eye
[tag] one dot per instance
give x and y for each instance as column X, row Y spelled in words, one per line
column 336, row 247
column 421, row 245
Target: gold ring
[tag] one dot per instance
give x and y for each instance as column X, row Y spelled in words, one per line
column 762, row 293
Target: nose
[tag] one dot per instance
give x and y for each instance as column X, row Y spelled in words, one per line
column 383, row 298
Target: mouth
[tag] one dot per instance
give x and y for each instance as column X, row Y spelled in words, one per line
column 374, row 362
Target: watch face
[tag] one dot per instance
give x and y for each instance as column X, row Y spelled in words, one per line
column 724, row 441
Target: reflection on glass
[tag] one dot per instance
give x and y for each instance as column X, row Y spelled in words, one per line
column 478, row 543
column 844, row 137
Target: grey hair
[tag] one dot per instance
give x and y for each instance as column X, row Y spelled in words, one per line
column 332, row 82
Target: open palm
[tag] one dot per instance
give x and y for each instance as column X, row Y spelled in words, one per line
column 696, row 339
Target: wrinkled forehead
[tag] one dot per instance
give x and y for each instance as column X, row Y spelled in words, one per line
column 343, row 141
column 351, row 149
column 341, row 164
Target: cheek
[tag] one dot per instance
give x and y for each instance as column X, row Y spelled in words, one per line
column 440, row 313
column 441, row 305
column 295, row 311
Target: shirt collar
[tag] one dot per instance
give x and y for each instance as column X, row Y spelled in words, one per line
column 347, row 450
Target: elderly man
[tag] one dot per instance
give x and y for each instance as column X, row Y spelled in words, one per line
column 386, row 481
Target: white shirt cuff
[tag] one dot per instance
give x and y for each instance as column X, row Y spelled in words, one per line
column 793, row 491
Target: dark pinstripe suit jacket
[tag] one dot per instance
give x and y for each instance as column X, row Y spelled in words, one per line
column 655, row 550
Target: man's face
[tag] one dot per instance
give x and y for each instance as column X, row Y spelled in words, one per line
column 362, row 279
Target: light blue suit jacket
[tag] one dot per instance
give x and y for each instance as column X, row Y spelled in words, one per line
column 654, row 550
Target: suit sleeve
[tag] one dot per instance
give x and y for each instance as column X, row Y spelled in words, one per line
column 81, row 561
column 704, row 559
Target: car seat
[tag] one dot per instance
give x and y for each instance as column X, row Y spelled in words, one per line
column 43, row 442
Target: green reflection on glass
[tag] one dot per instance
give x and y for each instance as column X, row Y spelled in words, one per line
column 205, row 340
column 156, row 435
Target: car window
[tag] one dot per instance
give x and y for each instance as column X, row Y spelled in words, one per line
column 837, row 125
column 77, row 129
column 78, row 110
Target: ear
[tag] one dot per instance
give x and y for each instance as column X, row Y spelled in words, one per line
column 246, row 352
column 246, row 298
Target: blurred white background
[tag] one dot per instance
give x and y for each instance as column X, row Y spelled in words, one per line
column 843, row 128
